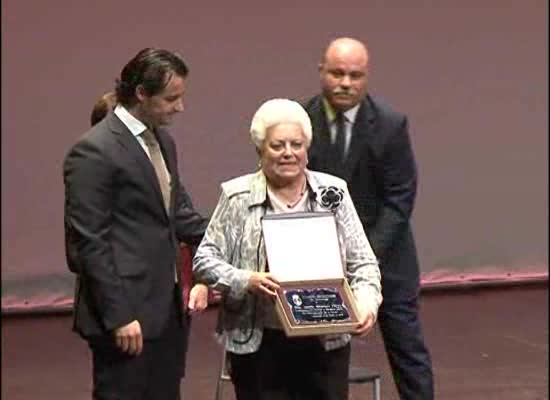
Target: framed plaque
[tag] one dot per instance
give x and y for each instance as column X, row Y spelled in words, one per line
column 303, row 253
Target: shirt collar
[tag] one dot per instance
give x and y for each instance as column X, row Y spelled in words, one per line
column 132, row 123
column 258, row 188
column 331, row 113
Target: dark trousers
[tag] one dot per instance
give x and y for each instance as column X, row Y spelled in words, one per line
column 291, row 368
column 153, row 375
column 407, row 354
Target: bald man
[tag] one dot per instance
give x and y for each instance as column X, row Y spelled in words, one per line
column 364, row 141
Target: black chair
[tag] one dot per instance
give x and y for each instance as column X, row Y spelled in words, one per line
column 362, row 375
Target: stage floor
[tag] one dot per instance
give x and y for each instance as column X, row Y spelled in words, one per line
column 486, row 344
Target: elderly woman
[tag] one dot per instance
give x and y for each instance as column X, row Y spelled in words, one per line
column 265, row 364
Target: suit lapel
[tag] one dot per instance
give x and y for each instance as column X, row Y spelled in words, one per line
column 322, row 146
column 362, row 132
column 132, row 146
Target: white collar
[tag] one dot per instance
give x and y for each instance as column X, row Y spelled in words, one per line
column 132, row 123
column 349, row 115
column 352, row 113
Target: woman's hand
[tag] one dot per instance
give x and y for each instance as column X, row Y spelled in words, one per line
column 263, row 283
column 366, row 325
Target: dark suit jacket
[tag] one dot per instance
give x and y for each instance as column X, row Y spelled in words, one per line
column 120, row 239
column 381, row 173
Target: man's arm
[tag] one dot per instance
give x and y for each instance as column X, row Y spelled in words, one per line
column 190, row 225
column 397, row 173
column 88, row 211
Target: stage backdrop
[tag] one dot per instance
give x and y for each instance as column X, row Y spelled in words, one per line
column 471, row 75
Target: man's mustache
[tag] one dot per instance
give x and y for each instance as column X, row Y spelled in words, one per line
column 337, row 92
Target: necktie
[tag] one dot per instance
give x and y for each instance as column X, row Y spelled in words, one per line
column 159, row 165
column 336, row 156
column 340, row 142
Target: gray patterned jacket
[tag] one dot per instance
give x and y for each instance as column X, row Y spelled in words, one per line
column 231, row 250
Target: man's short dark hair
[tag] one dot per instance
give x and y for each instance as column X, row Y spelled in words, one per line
column 151, row 68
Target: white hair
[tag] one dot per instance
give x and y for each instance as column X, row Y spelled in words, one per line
column 278, row 111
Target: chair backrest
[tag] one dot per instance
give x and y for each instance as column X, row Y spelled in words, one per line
column 186, row 271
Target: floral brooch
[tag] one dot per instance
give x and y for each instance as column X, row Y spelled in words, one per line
column 331, row 197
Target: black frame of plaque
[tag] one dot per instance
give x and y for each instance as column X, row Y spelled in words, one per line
column 293, row 328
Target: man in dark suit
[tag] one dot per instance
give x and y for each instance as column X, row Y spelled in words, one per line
column 362, row 140
column 125, row 214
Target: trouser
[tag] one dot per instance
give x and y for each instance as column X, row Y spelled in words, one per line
column 153, row 375
column 407, row 354
column 291, row 368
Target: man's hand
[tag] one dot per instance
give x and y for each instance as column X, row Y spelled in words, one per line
column 263, row 283
column 366, row 325
column 129, row 339
column 198, row 298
